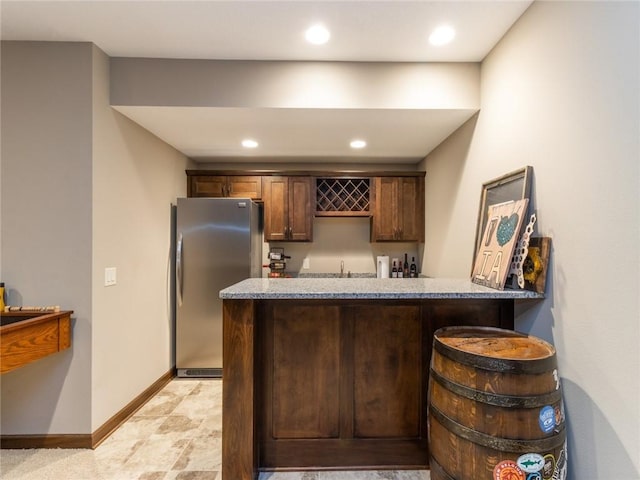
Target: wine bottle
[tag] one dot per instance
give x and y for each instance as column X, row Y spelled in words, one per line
column 405, row 269
column 413, row 269
column 400, row 270
column 394, row 271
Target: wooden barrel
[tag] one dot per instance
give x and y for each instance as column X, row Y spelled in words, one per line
column 495, row 407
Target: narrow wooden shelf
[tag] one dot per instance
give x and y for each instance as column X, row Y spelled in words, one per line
column 29, row 336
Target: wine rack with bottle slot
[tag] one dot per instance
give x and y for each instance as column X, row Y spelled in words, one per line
column 348, row 197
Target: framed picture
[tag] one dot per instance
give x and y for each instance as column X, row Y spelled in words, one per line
column 498, row 241
column 513, row 186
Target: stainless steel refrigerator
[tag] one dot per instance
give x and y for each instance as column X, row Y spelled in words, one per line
column 218, row 243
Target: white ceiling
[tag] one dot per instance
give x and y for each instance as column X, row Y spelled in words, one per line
column 390, row 31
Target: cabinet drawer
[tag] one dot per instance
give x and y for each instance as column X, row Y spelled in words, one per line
column 243, row 186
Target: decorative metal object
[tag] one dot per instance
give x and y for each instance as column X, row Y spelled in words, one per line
column 521, row 251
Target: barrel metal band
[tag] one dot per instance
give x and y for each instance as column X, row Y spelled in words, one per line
column 438, row 469
column 496, row 364
column 497, row 399
column 501, row 444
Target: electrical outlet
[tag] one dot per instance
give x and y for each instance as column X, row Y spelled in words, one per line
column 305, row 263
column 109, row 276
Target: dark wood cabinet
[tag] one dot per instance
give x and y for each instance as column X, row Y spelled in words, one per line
column 287, row 208
column 334, row 383
column 398, row 209
column 388, row 348
column 304, row 340
column 240, row 186
column 393, row 200
column 342, row 383
column 342, row 373
column 342, row 197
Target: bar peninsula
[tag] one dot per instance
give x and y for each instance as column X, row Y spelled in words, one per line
column 332, row 373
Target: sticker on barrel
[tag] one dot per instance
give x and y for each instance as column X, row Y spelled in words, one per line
column 508, row 470
column 547, row 419
column 560, row 470
column 530, row 462
column 549, row 466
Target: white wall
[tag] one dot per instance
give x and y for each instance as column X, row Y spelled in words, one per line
column 83, row 188
column 560, row 92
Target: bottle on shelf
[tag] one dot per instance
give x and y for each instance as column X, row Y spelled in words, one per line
column 405, row 267
column 394, row 270
column 400, row 269
column 413, row 269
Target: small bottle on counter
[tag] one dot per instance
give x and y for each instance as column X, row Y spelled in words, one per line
column 405, row 269
column 394, row 270
column 400, row 270
column 413, row 269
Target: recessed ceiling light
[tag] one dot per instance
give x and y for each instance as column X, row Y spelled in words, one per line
column 317, row 34
column 442, row 35
column 358, row 144
column 248, row 143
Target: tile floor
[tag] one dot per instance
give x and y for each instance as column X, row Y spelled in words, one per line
column 175, row 436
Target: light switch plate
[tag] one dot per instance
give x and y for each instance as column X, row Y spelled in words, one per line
column 305, row 264
column 109, row 276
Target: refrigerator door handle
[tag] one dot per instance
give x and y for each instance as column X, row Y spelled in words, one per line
column 179, row 269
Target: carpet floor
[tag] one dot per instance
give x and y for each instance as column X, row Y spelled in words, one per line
column 177, row 435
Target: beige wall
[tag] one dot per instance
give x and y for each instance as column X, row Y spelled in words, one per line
column 342, row 239
column 46, row 225
column 82, row 188
column 136, row 178
column 560, row 92
column 273, row 84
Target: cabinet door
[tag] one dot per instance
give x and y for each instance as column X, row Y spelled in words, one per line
column 245, row 186
column 305, row 372
column 207, row 186
column 276, row 208
column 300, row 217
column 384, row 226
column 388, row 367
column 411, row 209
column 398, row 213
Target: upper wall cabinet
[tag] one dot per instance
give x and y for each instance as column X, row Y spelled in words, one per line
column 288, row 215
column 393, row 200
column 398, row 209
column 243, row 186
column 342, row 197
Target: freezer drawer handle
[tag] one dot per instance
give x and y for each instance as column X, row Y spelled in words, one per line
column 179, row 269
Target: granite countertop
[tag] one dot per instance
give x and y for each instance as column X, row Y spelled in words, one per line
column 366, row 288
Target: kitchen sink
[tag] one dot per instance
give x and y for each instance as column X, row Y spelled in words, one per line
column 337, row 275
